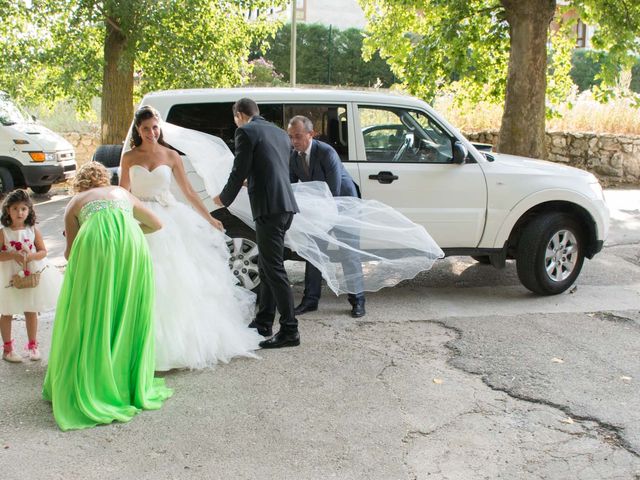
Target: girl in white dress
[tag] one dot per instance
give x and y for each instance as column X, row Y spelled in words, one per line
column 22, row 252
column 201, row 315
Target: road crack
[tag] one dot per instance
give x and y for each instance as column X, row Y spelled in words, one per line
column 604, row 431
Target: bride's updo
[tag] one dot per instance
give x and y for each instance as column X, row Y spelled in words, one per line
column 144, row 113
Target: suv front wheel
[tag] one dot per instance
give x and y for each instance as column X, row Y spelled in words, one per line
column 550, row 253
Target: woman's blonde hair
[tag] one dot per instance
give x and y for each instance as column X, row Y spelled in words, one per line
column 91, row 175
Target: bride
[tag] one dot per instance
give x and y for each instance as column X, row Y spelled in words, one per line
column 200, row 316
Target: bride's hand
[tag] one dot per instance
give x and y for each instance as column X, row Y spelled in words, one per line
column 216, row 223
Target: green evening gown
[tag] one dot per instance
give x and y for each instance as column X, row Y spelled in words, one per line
column 101, row 364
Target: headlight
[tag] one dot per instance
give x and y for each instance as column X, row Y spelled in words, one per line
column 42, row 157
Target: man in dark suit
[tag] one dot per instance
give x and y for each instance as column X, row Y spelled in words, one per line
column 262, row 157
column 312, row 160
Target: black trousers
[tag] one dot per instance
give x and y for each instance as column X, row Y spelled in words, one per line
column 275, row 290
column 351, row 266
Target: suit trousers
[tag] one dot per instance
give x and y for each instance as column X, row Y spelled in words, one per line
column 275, row 290
column 351, row 266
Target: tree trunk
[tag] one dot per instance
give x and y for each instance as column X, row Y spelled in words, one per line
column 117, row 87
column 523, row 123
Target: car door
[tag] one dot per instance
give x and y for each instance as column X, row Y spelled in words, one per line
column 405, row 159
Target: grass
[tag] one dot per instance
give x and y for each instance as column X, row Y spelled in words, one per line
column 581, row 113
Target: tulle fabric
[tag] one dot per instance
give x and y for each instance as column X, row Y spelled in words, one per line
column 200, row 314
column 101, row 365
column 332, row 233
column 37, row 299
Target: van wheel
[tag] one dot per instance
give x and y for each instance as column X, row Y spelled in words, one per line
column 243, row 261
column 41, row 189
column 108, row 155
column 6, row 181
column 550, row 253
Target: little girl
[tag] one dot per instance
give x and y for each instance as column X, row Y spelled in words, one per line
column 21, row 241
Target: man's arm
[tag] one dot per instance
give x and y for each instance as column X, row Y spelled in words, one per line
column 241, row 168
column 293, row 176
column 331, row 166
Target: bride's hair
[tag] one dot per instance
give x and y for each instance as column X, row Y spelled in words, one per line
column 90, row 175
column 144, row 113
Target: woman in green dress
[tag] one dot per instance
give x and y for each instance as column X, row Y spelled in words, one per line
column 102, row 357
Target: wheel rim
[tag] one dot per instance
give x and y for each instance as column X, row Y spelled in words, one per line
column 561, row 255
column 243, row 262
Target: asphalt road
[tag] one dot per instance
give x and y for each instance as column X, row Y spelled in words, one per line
column 460, row 373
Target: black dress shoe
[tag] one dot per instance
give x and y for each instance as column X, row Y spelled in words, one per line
column 358, row 310
column 304, row 308
column 282, row 339
column 262, row 330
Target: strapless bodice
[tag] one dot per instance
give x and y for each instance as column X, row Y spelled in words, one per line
column 151, row 185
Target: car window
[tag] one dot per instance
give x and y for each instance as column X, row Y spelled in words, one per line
column 394, row 134
column 212, row 118
column 329, row 123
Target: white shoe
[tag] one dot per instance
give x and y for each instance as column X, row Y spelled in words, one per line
column 12, row 357
column 34, row 353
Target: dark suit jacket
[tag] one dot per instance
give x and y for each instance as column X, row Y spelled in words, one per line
column 324, row 165
column 262, row 153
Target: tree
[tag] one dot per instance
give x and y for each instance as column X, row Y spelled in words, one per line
column 326, row 56
column 116, row 49
column 498, row 49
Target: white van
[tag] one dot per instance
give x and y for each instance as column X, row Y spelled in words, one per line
column 30, row 155
column 493, row 207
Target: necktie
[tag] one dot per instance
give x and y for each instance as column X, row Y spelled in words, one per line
column 305, row 163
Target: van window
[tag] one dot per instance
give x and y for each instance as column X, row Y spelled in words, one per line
column 10, row 113
column 393, row 134
column 329, row 123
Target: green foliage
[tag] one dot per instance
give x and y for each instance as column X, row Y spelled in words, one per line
column 431, row 44
column 585, row 67
column 54, row 49
column 263, row 73
column 327, row 56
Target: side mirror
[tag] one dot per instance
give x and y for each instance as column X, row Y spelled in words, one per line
column 460, row 152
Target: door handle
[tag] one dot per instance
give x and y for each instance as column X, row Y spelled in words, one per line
column 384, row 177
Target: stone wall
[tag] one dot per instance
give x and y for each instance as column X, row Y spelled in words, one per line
column 84, row 144
column 614, row 159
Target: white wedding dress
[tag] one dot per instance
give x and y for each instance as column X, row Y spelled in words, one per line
column 201, row 315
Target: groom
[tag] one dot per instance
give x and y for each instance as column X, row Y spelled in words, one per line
column 262, row 158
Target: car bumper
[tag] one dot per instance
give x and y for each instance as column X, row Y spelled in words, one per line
column 42, row 175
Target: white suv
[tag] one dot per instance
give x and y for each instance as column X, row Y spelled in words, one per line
column 493, row 207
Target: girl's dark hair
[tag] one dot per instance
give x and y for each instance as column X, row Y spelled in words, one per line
column 17, row 196
column 144, row 113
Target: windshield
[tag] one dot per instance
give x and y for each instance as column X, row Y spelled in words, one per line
column 10, row 113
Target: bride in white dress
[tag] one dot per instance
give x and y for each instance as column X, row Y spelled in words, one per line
column 201, row 315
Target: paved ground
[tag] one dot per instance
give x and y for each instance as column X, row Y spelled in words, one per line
column 460, row 373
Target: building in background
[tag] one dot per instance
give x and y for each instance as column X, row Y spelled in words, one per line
column 341, row 14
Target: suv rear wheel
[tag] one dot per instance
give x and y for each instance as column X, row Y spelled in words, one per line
column 550, row 253
column 108, row 155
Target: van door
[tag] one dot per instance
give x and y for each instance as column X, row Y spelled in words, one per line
column 405, row 160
